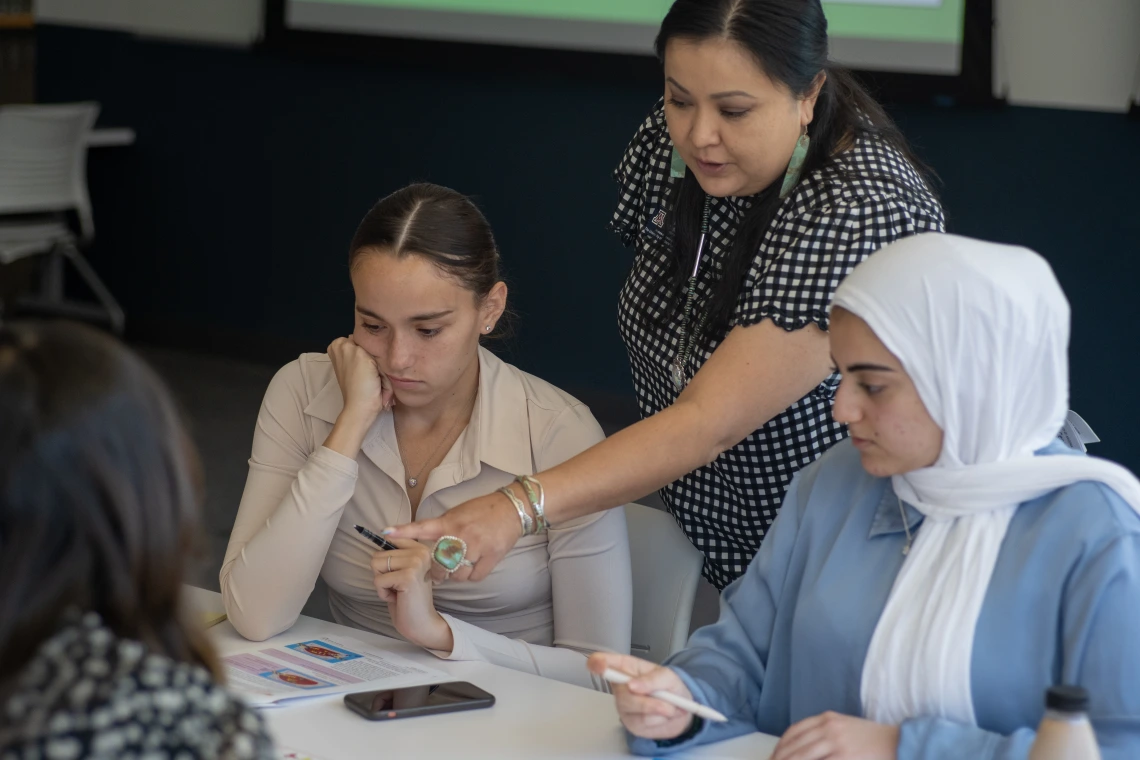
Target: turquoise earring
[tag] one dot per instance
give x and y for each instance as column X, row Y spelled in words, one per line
column 792, row 177
column 677, row 165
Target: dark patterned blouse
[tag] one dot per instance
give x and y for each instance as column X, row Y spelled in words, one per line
column 90, row 694
column 834, row 218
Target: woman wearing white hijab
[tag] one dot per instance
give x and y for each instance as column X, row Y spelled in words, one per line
column 930, row 578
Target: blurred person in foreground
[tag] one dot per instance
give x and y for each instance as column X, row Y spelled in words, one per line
column 99, row 494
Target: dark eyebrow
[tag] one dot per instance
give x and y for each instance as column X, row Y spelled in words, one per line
column 864, row 367
column 731, row 94
column 433, row 315
column 715, row 95
column 367, row 313
column 416, row 318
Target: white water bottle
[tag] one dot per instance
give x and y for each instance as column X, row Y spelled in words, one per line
column 1065, row 732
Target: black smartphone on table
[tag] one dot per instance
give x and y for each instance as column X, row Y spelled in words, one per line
column 390, row 704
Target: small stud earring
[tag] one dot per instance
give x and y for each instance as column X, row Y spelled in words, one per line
column 487, row 328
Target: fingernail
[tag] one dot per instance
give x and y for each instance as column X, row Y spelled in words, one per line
column 654, row 720
column 388, row 532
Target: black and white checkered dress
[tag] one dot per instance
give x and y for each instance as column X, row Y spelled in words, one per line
column 867, row 197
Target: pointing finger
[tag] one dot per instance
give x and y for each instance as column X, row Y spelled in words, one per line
column 428, row 530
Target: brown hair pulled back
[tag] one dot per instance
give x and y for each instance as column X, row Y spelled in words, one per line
column 435, row 222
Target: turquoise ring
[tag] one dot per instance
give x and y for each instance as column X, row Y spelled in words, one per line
column 450, row 553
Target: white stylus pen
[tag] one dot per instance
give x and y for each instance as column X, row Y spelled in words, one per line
column 688, row 705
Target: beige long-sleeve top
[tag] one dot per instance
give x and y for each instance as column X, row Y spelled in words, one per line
column 550, row 602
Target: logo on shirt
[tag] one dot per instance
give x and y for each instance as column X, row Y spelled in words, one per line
column 659, row 219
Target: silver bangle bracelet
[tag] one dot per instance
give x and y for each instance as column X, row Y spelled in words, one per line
column 524, row 518
column 537, row 501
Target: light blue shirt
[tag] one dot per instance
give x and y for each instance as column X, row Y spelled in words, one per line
column 1063, row 606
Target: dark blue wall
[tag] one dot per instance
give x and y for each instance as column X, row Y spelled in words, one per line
column 226, row 225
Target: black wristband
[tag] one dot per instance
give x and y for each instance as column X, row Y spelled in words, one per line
column 693, row 729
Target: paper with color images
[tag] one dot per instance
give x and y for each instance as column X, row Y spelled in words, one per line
column 320, row 667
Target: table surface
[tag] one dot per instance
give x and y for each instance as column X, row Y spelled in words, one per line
column 532, row 718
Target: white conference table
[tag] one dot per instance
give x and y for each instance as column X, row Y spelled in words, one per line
column 532, row 717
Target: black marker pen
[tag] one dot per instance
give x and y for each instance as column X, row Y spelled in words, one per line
column 378, row 540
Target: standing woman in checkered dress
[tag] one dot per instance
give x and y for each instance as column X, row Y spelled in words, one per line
column 759, row 181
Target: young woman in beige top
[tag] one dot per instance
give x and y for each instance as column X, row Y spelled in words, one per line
column 401, row 421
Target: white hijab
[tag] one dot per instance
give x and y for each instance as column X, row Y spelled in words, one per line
column 983, row 331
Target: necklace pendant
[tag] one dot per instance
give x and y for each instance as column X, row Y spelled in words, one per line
column 412, row 482
column 678, row 375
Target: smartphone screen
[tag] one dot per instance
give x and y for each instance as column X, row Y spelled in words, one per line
column 390, row 704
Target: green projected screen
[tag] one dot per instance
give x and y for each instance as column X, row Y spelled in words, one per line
column 915, row 36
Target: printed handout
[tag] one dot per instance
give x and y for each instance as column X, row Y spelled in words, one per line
column 320, row 667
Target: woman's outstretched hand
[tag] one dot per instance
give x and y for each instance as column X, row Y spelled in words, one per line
column 489, row 525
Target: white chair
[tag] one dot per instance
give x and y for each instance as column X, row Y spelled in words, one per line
column 666, row 571
column 43, row 176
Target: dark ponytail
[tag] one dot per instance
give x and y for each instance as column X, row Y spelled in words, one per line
column 441, row 225
column 788, row 39
column 435, row 222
